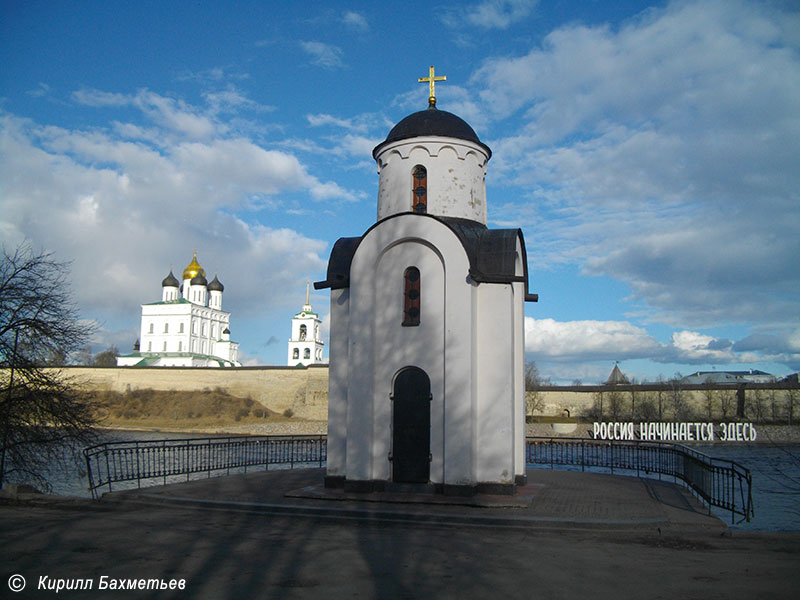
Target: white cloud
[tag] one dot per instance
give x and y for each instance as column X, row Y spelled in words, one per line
column 587, row 340
column 355, row 21
column 213, row 75
column 127, row 202
column 41, row 91
column 175, row 115
column 231, row 100
column 491, row 14
column 323, row 55
column 551, row 341
column 664, row 154
column 98, row 98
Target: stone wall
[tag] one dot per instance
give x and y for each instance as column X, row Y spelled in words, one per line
column 758, row 402
column 303, row 390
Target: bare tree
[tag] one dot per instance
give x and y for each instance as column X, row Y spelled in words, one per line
column 680, row 407
column 615, row 403
column 533, row 396
column 709, row 395
column 727, row 398
column 106, row 358
column 660, row 391
column 646, row 407
column 43, row 418
column 634, row 392
column 792, row 398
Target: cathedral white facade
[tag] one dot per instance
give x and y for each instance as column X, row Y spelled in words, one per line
column 427, row 324
column 187, row 328
column 305, row 345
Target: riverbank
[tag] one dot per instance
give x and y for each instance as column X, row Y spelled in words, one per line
column 767, row 434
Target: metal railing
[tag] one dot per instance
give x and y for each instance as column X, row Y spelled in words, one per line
column 158, row 461
column 718, row 482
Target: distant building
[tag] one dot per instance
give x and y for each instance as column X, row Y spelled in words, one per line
column 616, row 377
column 729, row 377
column 188, row 328
column 305, row 345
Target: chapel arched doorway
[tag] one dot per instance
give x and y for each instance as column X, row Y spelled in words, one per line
column 411, row 426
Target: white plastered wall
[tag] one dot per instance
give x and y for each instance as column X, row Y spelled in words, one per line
column 378, row 346
column 338, row 354
column 456, row 177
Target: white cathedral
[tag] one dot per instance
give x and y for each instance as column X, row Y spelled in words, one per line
column 188, row 328
column 427, row 323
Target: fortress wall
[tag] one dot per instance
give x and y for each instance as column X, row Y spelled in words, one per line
column 303, row 390
column 690, row 402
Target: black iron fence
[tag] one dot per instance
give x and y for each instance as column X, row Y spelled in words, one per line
column 718, row 482
column 161, row 461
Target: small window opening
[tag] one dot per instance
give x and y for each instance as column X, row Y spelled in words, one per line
column 307, row 353
column 296, row 354
column 303, row 332
column 411, row 297
column 419, row 201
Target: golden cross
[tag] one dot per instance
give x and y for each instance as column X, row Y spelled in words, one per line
column 431, row 79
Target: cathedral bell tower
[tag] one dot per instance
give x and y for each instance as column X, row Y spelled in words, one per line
column 305, row 345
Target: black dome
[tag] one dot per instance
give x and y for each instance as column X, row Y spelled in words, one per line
column 170, row 281
column 432, row 121
column 216, row 285
column 199, row 280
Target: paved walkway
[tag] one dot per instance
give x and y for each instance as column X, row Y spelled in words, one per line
column 259, row 535
column 551, row 498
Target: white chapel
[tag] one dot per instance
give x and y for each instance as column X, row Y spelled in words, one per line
column 187, row 328
column 427, row 323
column 305, row 345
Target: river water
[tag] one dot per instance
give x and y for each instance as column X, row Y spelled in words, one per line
column 775, row 470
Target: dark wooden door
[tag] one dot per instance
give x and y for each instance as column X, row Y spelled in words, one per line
column 411, row 432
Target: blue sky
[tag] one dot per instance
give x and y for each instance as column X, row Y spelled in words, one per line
column 650, row 151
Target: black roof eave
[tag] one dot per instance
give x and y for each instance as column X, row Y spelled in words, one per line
column 476, row 238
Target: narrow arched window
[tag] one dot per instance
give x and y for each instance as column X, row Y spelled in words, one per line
column 419, row 187
column 411, row 297
column 307, row 353
column 296, row 354
column 303, row 332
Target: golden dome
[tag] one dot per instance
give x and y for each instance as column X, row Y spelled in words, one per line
column 193, row 268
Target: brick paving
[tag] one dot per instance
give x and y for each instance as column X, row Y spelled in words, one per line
column 562, row 498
